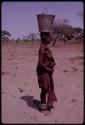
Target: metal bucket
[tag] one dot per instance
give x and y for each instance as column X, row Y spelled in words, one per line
column 45, row 22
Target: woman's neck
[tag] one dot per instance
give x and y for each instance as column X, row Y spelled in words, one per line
column 43, row 44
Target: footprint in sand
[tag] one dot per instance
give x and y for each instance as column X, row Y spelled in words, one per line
column 16, row 67
column 56, row 121
column 12, row 55
column 47, row 113
column 21, row 90
column 34, row 118
column 12, row 95
column 5, row 73
column 73, row 100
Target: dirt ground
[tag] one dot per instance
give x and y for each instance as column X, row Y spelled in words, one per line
column 20, row 93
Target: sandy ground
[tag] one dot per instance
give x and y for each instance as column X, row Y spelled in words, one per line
column 20, row 91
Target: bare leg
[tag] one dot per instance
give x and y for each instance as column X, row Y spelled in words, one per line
column 51, row 93
column 43, row 95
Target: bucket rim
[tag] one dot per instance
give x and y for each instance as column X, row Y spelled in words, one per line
column 45, row 15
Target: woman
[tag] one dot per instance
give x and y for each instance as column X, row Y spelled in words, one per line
column 45, row 70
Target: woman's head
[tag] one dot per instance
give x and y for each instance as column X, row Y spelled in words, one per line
column 45, row 37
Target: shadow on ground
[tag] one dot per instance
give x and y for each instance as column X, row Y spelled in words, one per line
column 33, row 103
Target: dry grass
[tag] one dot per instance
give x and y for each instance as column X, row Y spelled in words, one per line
column 20, row 86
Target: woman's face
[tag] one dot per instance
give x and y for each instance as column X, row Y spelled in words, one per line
column 46, row 38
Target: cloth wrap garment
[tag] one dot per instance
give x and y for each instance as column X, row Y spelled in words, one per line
column 45, row 78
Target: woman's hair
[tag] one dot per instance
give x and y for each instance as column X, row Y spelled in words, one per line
column 45, row 36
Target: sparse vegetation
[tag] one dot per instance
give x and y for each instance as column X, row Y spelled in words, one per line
column 61, row 31
column 5, row 35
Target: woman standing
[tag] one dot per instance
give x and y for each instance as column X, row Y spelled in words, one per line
column 45, row 69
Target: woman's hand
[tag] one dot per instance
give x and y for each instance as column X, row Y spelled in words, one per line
column 50, row 70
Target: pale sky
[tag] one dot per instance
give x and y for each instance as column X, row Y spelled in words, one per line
column 19, row 18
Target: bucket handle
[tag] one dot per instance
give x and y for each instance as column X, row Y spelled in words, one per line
column 45, row 8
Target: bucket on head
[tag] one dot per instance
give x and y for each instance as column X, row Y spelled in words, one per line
column 45, row 22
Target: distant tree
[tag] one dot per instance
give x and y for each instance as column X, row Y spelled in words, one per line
column 33, row 36
column 78, row 33
column 18, row 39
column 77, row 29
column 5, row 35
column 26, row 38
column 30, row 37
column 62, row 30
